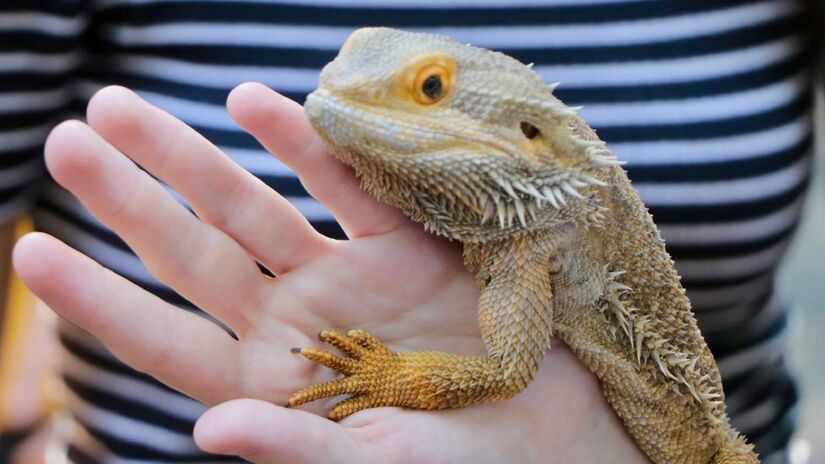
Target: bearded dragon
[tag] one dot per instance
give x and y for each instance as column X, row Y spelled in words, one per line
column 474, row 145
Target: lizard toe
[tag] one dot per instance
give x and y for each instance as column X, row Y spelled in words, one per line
column 368, row 341
column 345, row 386
column 346, row 344
column 352, row 405
column 346, row 366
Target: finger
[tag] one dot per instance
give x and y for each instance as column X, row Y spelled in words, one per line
column 281, row 126
column 221, row 192
column 264, row 433
column 197, row 260
column 181, row 349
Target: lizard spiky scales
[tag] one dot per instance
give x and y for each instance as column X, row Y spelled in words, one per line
column 474, row 145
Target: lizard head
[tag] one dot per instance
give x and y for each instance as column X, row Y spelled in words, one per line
column 469, row 142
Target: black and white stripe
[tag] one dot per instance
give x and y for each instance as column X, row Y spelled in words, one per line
column 707, row 100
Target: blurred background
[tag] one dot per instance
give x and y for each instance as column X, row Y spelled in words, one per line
column 802, row 279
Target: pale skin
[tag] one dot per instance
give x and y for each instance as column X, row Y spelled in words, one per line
column 405, row 286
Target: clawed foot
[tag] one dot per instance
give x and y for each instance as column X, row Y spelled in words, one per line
column 371, row 373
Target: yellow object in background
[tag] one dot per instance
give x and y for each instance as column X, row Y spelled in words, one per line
column 22, row 388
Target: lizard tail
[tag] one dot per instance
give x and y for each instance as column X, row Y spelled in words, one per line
column 736, row 451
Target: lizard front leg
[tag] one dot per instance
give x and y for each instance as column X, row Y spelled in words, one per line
column 514, row 315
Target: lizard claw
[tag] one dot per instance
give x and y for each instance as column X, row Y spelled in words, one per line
column 366, row 366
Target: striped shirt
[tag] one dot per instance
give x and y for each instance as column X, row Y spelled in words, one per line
column 707, row 101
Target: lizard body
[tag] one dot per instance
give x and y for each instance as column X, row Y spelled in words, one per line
column 474, row 145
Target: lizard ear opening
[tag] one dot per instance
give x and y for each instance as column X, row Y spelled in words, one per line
column 530, row 131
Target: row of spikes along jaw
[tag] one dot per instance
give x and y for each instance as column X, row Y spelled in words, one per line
column 510, row 202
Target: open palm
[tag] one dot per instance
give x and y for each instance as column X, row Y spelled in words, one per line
column 407, row 287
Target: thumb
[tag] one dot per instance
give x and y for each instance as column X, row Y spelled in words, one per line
column 264, row 433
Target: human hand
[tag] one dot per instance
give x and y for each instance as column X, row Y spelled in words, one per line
column 391, row 278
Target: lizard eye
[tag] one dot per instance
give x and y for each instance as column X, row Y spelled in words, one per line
column 530, row 131
column 431, row 84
